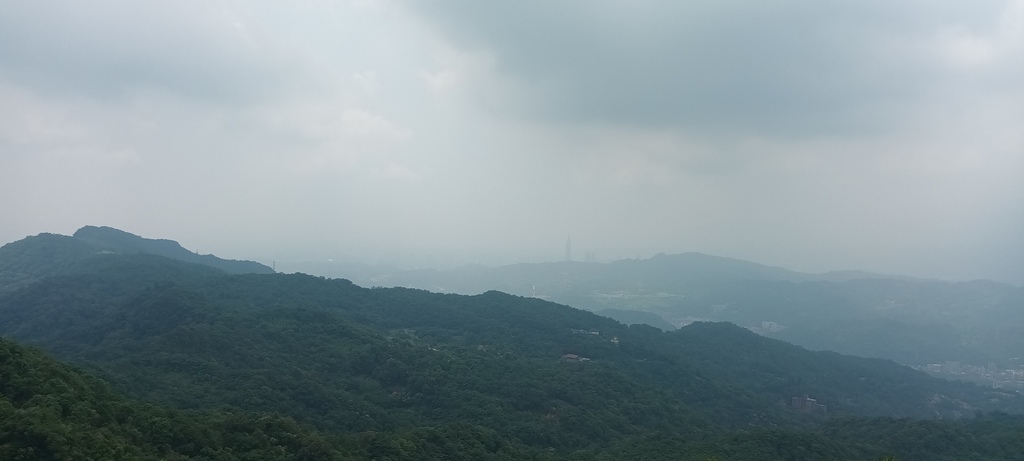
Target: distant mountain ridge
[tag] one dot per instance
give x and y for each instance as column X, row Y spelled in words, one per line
column 123, row 242
column 661, row 269
column 38, row 256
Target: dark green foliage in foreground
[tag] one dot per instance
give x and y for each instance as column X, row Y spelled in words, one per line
column 49, row 411
column 993, row 437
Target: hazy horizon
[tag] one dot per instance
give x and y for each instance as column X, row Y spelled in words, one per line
column 814, row 137
column 354, row 268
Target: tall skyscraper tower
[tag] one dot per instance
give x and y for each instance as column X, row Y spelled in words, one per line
column 568, row 248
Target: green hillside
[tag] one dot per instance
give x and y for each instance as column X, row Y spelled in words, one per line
column 49, row 411
column 409, row 374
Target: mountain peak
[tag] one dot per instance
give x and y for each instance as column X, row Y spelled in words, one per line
column 47, row 254
column 119, row 241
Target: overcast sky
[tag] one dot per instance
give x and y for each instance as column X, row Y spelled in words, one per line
column 814, row 135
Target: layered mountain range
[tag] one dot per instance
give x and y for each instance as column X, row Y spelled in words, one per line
column 911, row 321
column 291, row 366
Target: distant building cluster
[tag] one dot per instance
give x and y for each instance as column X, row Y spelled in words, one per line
column 808, row 405
column 588, row 256
column 771, row 327
column 988, row 375
column 574, row 358
column 766, row 328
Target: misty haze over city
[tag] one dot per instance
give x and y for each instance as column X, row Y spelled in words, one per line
column 815, row 136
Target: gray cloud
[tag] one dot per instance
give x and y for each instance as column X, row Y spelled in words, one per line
column 795, row 68
column 109, row 48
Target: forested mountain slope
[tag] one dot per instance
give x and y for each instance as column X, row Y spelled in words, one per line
column 409, row 374
column 49, row 411
column 350, row 359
